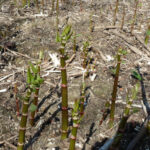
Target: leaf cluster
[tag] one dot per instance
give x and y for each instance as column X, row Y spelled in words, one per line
column 136, row 75
column 65, row 35
column 33, row 76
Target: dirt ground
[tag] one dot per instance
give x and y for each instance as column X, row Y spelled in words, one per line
column 26, row 31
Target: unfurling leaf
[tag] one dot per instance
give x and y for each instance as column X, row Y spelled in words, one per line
column 32, row 107
column 69, row 36
column 66, row 31
column 39, row 79
column 136, row 75
column 33, row 68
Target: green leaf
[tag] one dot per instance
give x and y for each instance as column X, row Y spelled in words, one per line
column 34, row 68
column 32, row 107
column 76, row 35
column 137, row 75
column 58, row 38
column 66, row 30
column 39, row 79
column 32, row 79
column 69, row 36
column 148, row 32
column 86, row 44
column 113, row 71
column 124, row 52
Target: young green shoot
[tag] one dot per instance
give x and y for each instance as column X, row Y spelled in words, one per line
column 85, row 73
column 36, row 87
column 33, row 79
column 114, row 93
column 63, row 38
column 76, row 121
column 23, row 122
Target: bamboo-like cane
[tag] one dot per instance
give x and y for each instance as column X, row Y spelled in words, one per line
column 35, row 102
column 64, row 91
column 76, row 120
column 63, row 38
column 114, row 93
column 85, row 73
column 23, row 122
column 31, row 81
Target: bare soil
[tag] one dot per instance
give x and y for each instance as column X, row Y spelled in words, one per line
column 26, row 31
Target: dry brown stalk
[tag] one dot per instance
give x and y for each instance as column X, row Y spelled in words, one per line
column 134, row 16
column 115, row 12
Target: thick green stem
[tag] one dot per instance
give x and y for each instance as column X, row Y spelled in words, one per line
column 23, row 122
column 64, row 91
column 114, row 94
column 35, row 102
column 76, row 120
column 73, row 134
